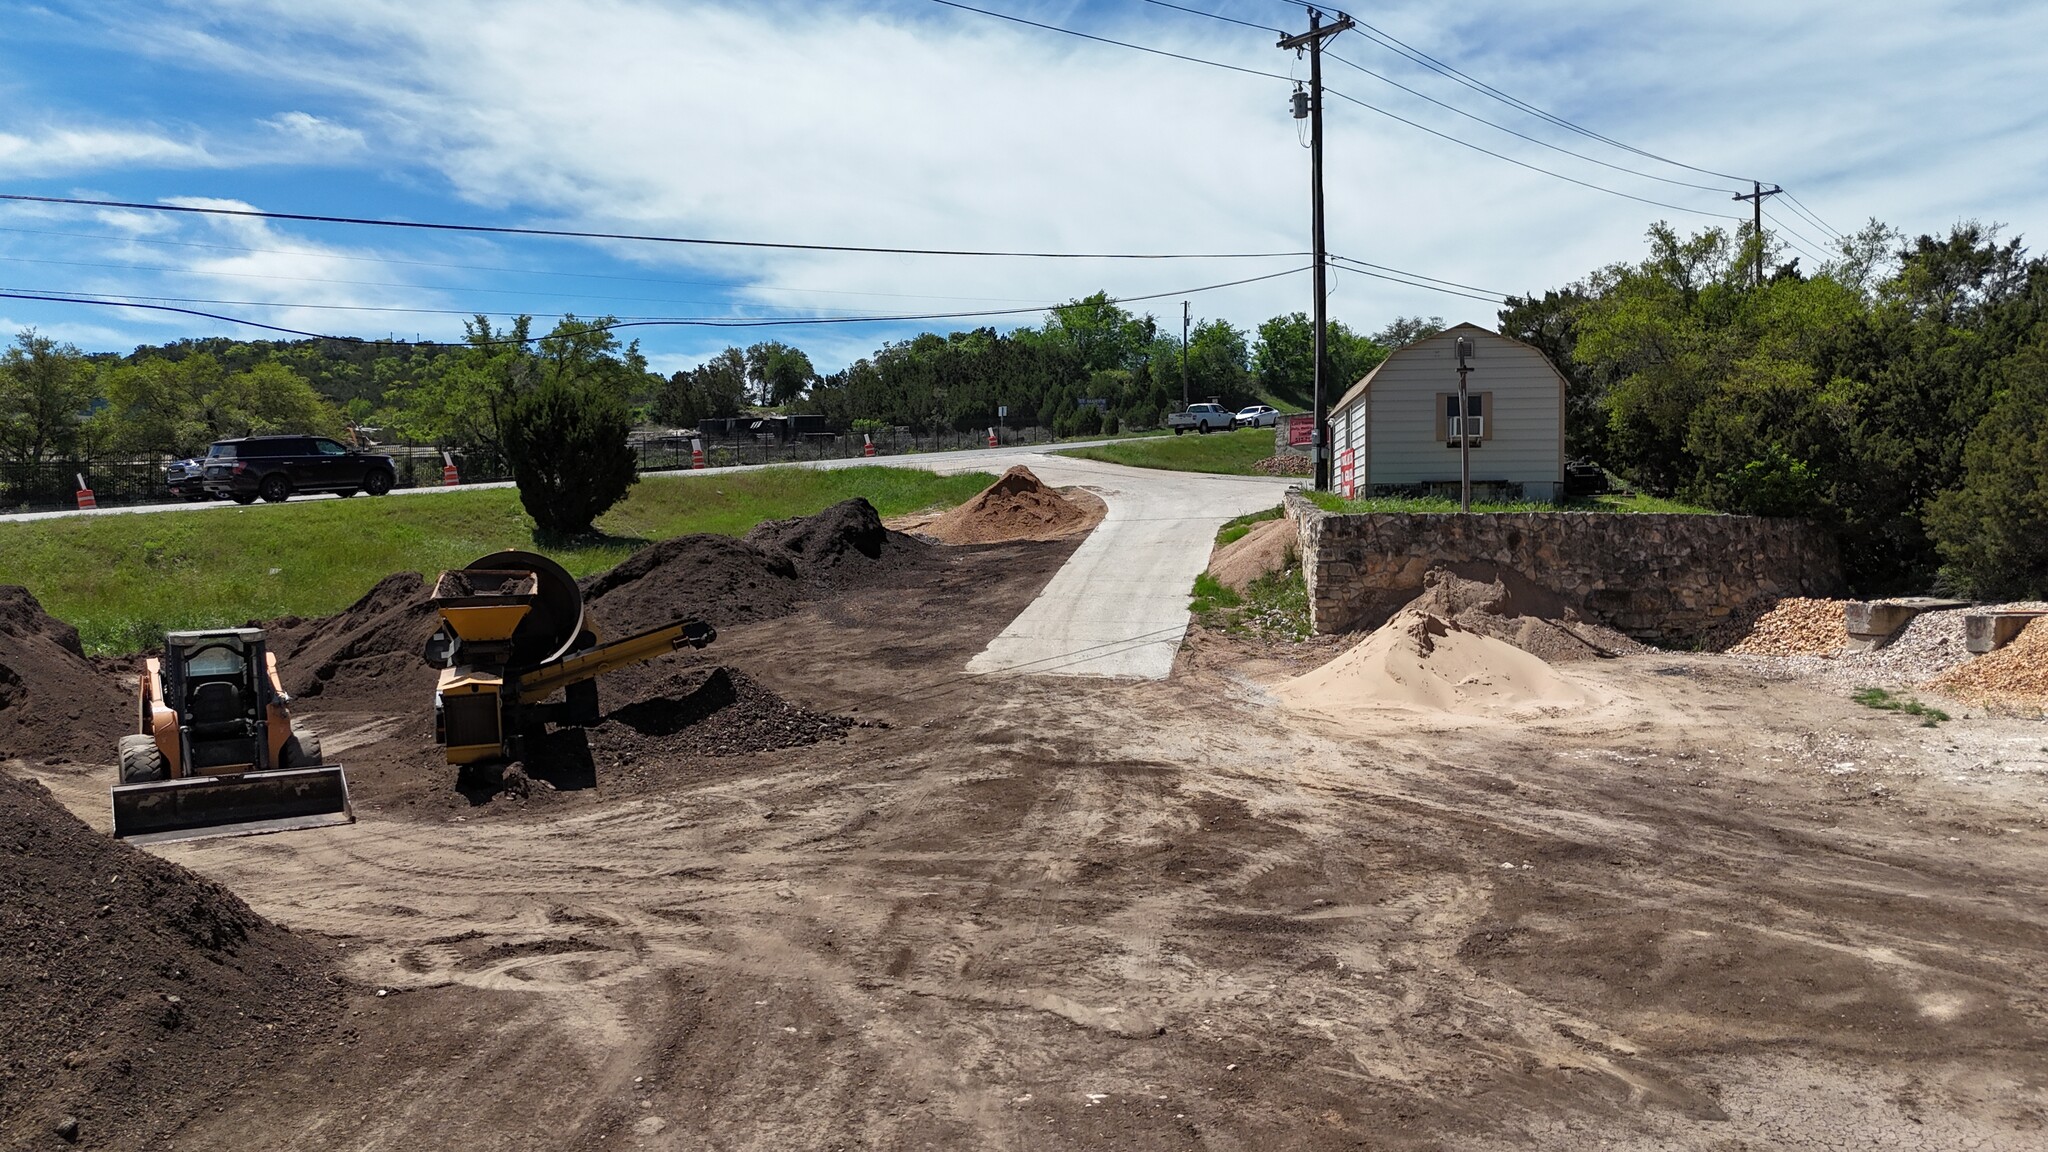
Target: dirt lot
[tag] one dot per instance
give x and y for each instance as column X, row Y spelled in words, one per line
column 1718, row 911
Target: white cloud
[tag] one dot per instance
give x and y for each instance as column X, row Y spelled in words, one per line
column 64, row 151
column 912, row 125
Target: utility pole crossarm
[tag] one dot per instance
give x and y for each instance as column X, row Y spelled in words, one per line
column 1755, row 196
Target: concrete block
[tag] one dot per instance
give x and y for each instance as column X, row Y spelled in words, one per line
column 1872, row 622
column 1990, row 631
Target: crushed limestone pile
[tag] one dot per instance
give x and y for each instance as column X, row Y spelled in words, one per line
column 1285, row 465
column 1421, row 661
column 2014, row 674
column 1799, row 626
column 1018, row 506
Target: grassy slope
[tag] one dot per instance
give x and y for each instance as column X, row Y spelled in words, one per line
column 1233, row 453
column 123, row 580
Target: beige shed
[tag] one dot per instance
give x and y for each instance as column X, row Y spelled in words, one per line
column 1400, row 424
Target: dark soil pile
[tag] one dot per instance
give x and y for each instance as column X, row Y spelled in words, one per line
column 845, row 546
column 1506, row 605
column 715, row 711
column 54, row 705
column 372, row 649
column 714, row 578
column 132, row 991
column 1016, row 507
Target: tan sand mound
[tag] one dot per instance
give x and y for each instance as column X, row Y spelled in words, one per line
column 1268, row 547
column 1423, row 662
column 1798, row 626
column 2014, row 674
column 1016, row 507
column 1506, row 605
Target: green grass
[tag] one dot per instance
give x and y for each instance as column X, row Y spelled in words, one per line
column 1236, row 529
column 124, row 580
column 1274, row 605
column 1886, row 702
column 1229, row 453
column 1331, row 502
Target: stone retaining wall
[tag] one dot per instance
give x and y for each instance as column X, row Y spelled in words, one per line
column 1664, row 578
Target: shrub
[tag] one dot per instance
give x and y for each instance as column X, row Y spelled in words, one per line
column 567, row 447
column 1993, row 530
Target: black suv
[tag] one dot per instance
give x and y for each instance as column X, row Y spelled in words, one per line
column 275, row 467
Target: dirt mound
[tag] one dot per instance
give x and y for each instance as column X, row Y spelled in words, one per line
column 1506, row 605
column 1421, row 660
column 843, row 546
column 1267, row 548
column 54, row 705
column 716, row 578
column 2014, row 674
column 371, row 648
column 1285, row 465
column 1798, row 626
column 1018, row 506
column 133, row 990
column 715, row 711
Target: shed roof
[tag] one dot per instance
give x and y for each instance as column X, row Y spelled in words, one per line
column 1364, row 383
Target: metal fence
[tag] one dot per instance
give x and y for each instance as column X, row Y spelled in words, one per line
column 53, row 485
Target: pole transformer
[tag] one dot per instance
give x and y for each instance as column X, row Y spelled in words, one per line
column 1312, row 109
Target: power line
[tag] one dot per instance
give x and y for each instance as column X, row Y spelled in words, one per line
column 1832, row 232
column 1797, row 238
column 565, row 233
column 635, row 322
column 1394, row 44
column 1116, row 43
column 1521, row 135
column 1525, row 164
column 1351, row 265
column 1419, row 276
column 1219, row 16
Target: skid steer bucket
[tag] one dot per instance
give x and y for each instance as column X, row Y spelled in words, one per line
column 201, row 806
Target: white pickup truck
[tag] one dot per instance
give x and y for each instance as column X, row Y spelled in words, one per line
column 1203, row 418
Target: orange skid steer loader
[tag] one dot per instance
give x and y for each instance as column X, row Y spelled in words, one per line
column 215, row 754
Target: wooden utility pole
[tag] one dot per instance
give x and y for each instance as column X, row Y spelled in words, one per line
column 1756, row 196
column 1184, row 314
column 1312, row 41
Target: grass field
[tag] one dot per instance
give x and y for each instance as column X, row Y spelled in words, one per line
column 1331, row 502
column 1231, row 453
column 124, row 580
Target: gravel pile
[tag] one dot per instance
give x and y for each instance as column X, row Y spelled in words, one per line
column 1285, row 466
column 2015, row 674
column 1797, row 627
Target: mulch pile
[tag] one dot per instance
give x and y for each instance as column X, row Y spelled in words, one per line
column 1285, row 465
column 132, row 990
column 1798, row 626
column 55, row 707
column 1507, row 605
column 1018, row 506
column 2014, row 674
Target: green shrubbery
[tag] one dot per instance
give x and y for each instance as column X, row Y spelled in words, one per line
column 567, row 446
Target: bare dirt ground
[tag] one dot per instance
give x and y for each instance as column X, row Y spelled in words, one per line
column 1721, row 912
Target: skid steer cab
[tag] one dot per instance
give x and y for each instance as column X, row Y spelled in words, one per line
column 215, row 753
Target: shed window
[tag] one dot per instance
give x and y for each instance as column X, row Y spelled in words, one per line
column 1447, row 417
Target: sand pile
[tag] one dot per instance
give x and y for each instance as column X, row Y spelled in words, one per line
column 1798, row 626
column 1016, row 507
column 1508, row 606
column 2014, row 674
column 133, row 991
column 1422, row 661
column 372, row 648
column 1271, row 546
column 55, row 707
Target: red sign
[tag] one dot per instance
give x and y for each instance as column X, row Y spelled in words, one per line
column 1301, row 430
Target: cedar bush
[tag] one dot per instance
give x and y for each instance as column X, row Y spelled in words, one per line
column 566, row 442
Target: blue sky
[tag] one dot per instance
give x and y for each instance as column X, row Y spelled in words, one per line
column 912, row 124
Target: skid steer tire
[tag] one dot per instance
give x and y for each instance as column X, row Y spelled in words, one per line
column 302, row 750
column 141, row 761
